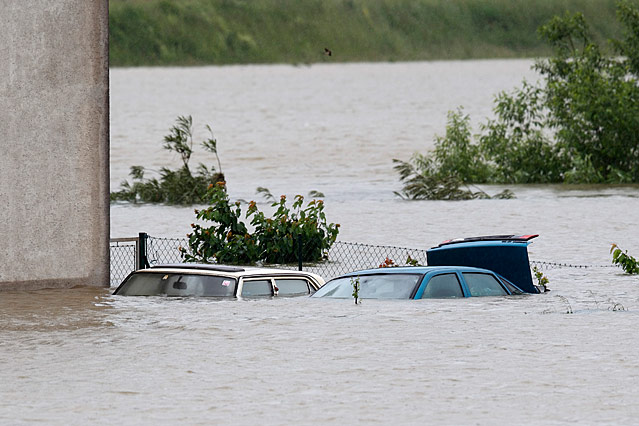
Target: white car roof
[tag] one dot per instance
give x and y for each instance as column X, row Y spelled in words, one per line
column 229, row 271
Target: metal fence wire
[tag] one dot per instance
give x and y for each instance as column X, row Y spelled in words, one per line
column 123, row 260
column 164, row 250
column 343, row 257
column 557, row 265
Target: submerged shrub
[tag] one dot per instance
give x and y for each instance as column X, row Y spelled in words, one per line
column 390, row 263
column 227, row 240
column 446, row 174
column 274, row 239
column 179, row 186
column 579, row 124
column 356, row 286
column 629, row 264
column 515, row 145
column 542, row 280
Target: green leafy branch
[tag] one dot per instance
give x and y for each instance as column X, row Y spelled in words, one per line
column 621, row 258
column 542, row 280
column 355, row 283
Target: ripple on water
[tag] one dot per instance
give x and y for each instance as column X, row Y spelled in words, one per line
column 83, row 356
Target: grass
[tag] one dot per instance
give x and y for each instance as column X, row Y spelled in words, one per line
column 197, row 32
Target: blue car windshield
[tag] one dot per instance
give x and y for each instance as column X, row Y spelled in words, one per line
column 172, row 284
column 377, row 286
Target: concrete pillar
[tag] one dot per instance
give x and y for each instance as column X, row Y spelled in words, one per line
column 54, row 143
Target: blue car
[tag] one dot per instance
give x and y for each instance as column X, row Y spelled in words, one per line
column 419, row 282
column 506, row 255
column 494, row 265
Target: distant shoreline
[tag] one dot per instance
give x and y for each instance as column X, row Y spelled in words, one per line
column 224, row 32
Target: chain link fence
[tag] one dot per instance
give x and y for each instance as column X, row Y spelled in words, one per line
column 165, row 250
column 555, row 265
column 342, row 257
column 124, row 255
column 345, row 257
column 128, row 254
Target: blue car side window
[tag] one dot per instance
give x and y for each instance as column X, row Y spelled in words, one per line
column 483, row 284
column 443, row 286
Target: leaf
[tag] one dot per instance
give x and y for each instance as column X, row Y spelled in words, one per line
column 616, row 253
column 268, row 196
column 137, row 172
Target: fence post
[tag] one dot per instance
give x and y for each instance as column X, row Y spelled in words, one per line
column 299, row 252
column 141, row 255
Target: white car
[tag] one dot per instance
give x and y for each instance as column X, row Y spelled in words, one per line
column 193, row 279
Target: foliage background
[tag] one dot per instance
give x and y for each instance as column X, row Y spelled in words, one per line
column 196, row 32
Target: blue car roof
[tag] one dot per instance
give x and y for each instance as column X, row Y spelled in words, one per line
column 451, row 246
column 414, row 270
column 489, row 240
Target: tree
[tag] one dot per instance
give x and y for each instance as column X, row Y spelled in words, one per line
column 578, row 124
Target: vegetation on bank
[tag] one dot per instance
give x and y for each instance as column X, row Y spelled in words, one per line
column 226, row 238
column 578, row 124
column 195, row 32
column 180, row 186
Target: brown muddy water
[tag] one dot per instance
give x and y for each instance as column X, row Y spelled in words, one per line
column 571, row 355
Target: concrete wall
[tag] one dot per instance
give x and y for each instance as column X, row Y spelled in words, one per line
column 54, row 143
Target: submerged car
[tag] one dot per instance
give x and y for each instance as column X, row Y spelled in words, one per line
column 507, row 255
column 495, row 265
column 419, row 282
column 190, row 279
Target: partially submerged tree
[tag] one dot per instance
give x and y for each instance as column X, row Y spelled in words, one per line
column 179, row 186
column 578, row 124
column 447, row 174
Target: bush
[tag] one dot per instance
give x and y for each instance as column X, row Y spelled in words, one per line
column 446, row 174
column 179, row 186
column 274, row 239
column 621, row 258
column 579, row 124
column 515, row 146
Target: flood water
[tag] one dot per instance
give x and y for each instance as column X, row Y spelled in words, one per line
column 570, row 355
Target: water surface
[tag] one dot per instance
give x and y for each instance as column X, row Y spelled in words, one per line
column 571, row 355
